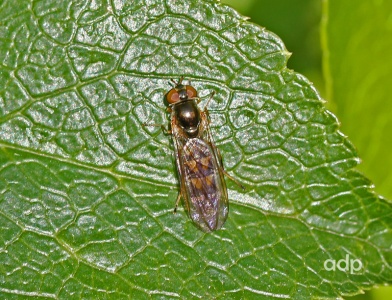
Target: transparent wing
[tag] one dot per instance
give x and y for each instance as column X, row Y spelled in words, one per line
column 202, row 184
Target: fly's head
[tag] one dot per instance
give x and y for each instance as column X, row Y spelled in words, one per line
column 182, row 99
column 180, row 93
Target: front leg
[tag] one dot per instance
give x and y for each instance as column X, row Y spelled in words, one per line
column 164, row 129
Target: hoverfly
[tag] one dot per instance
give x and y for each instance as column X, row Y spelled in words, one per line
column 199, row 163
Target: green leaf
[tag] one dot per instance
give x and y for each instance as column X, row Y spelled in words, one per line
column 87, row 192
column 358, row 70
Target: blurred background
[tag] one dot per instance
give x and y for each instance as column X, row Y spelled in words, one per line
column 297, row 23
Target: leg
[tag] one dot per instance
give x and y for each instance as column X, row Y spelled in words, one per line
column 165, row 131
column 208, row 101
column 232, row 178
column 198, row 100
column 177, row 202
column 227, row 174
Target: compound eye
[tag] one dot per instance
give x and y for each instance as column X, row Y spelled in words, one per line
column 191, row 92
column 172, row 96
